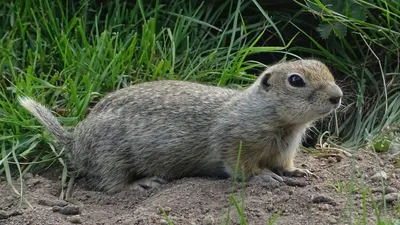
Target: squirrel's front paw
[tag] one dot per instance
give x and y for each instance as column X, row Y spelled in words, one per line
column 295, row 172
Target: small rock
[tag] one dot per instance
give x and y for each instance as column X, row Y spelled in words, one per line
column 28, row 176
column 323, row 199
column 378, row 176
column 138, row 221
column 5, row 215
column 295, row 182
column 331, row 159
column 163, row 222
column 33, row 181
column 167, row 210
column 48, row 202
column 324, row 207
column 10, row 200
column 208, row 220
column 56, row 208
column 173, row 218
column 129, row 221
column 332, row 220
column 75, row 219
column 67, row 210
column 390, row 190
column 15, row 213
column 392, row 197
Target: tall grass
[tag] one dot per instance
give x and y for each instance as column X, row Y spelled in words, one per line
column 68, row 54
column 361, row 40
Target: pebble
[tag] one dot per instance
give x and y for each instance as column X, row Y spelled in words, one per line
column 163, row 222
column 67, row 210
column 48, row 202
column 295, row 182
column 208, row 220
column 388, row 190
column 5, row 215
column 378, row 176
column 28, row 176
column 323, row 199
column 33, row 181
column 129, row 221
column 167, row 210
column 332, row 220
column 324, row 207
column 331, row 159
column 392, row 197
column 75, row 219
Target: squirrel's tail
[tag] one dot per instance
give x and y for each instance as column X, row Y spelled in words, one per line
column 45, row 116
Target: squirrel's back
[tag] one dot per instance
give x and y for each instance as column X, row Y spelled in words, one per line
column 166, row 95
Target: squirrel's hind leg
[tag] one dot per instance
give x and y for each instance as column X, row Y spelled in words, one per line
column 267, row 179
column 147, row 183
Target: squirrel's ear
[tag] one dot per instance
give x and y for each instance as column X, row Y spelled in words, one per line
column 265, row 81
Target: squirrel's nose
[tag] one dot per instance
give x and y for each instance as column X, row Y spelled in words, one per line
column 335, row 100
column 335, row 93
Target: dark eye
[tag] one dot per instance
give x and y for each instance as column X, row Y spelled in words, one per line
column 296, row 81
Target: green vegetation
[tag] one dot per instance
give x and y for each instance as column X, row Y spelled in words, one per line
column 365, row 48
column 68, row 54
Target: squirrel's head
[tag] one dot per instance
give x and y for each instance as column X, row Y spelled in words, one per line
column 302, row 90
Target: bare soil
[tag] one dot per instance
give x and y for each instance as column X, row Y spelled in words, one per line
column 335, row 197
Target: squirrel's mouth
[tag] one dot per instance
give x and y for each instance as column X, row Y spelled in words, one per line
column 337, row 106
column 327, row 111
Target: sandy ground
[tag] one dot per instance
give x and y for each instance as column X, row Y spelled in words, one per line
column 323, row 200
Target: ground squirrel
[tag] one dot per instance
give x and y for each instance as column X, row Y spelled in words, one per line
column 157, row 131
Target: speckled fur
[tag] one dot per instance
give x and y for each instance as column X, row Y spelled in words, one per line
column 172, row 129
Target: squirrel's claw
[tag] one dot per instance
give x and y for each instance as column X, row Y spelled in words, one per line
column 297, row 172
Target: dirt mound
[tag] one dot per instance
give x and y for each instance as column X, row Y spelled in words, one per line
column 335, row 197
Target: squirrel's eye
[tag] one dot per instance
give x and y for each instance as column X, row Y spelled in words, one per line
column 296, row 81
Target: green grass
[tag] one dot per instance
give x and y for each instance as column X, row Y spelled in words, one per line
column 71, row 60
column 68, row 54
column 362, row 42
